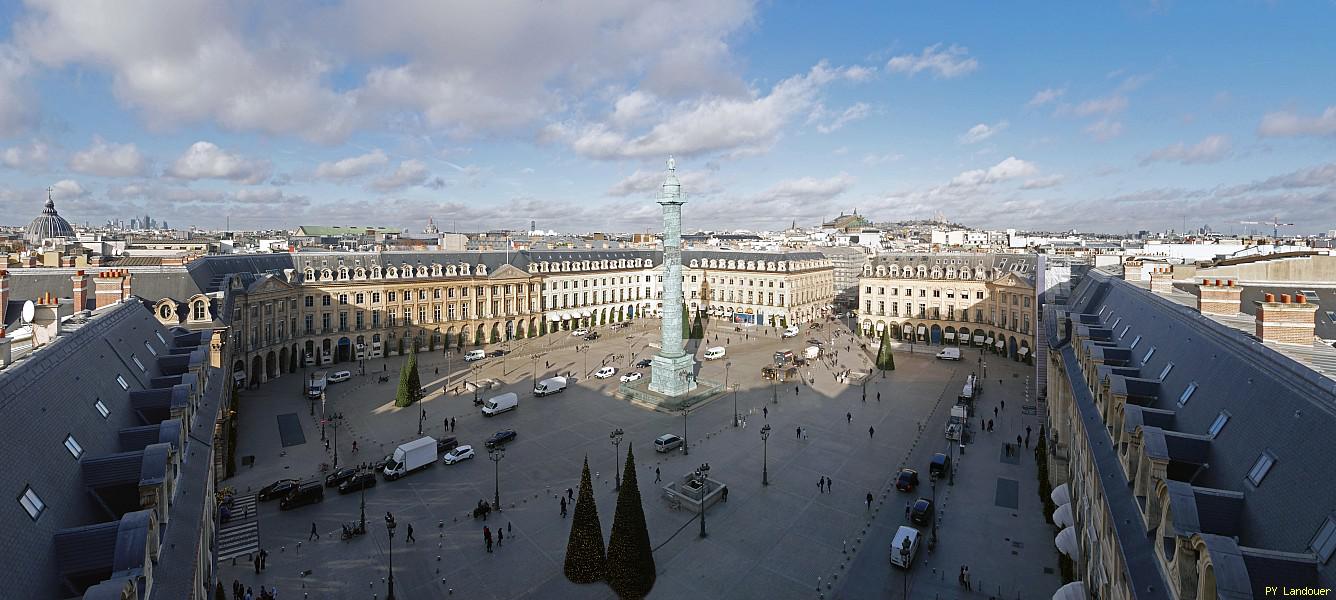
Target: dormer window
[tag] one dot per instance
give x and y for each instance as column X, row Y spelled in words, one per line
column 1219, row 424
column 1149, row 353
column 1187, row 393
column 1261, row 468
column 101, row 409
column 1135, row 341
column 1123, row 333
column 150, row 348
column 121, row 380
column 138, row 363
column 32, row 503
column 73, row 446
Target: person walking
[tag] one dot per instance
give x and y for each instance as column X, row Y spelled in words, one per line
column 452, row 424
column 725, row 494
column 965, row 577
column 990, row 424
column 657, row 476
column 409, row 537
column 765, row 412
column 994, row 411
column 828, row 482
column 315, row 535
column 257, row 562
column 1018, row 442
column 849, row 417
column 821, row 484
column 487, row 537
column 563, row 507
column 869, row 500
column 1004, row 407
column 264, row 559
column 878, row 396
column 870, row 431
column 1027, row 436
column 500, row 537
column 570, row 493
column 798, row 433
column 250, row 595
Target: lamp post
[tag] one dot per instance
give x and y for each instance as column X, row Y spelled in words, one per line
column 534, row 375
column 585, row 351
column 904, row 558
column 335, row 419
column 702, row 476
column 389, row 528
column 686, row 443
column 765, row 455
column 727, row 366
column 495, row 455
column 630, row 350
column 616, row 437
column 737, row 417
column 475, row 369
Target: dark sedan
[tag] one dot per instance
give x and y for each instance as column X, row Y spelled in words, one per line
column 362, row 480
column 906, row 480
column 277, row 489
column 500, row 437
column 593, row 335
column 497, row 353
column 339, row 476
column 921, row 512
column 644, row 362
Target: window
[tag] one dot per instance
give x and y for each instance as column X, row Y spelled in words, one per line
column 101, row 409
column 32, row 503
column 1165, row 372
column 121, row 380
column 160, row 339
column 150, row 348
column 325, row 301
column 1135, row 341
column 1187, row 393
column 1218, row 424
column 1324, row 543
column 137, row 363
column 73, row 446
column 1149, row 353
column 1123, row 333
column 1261, row 467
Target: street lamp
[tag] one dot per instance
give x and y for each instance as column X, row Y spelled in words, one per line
column 616, row 437
column 534, row 375
column 702, row 476
column 495, row 455
column 389, row 528
column 630, row 350
column 686, row 443
column 585, row 351
column 475, row 369
column 736, row 416
column 765, row 455
column 727, row 365
column 335, row 419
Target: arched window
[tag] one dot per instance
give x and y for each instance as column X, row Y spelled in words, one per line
column 199, row 311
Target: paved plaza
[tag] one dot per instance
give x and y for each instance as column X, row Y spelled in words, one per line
column 775, row 541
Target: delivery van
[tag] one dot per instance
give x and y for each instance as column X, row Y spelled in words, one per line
column 473, row 355
column 949, row 354
column 500, row 404
column 551, row 385
column 714, row 353
column 905, row 538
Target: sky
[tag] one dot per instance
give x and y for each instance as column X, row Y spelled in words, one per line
column 1105, row 117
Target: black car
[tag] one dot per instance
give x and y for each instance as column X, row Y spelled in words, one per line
column 444, row 445
column 593, row 335
column 305, row 493
column 339, row 476
column 496, row 353
column 362, row 480
column 921, row 512
column 277, row 489
column 644, row 362
column 500, row 437
column 379, row 466
column 940, row 466
column 816, row 343
column 906, row 480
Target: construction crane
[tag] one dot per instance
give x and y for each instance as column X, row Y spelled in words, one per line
column 1274, row 223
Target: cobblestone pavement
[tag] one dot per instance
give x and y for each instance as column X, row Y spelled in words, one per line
column 769, row 542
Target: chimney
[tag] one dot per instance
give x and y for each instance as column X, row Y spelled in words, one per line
column 108, row 288
column 4, row 295
column 1162, row 280
column 1287, row 321
column 46, row 318
column 80, row 281
column 125, row 284
column 1132, row 270
column 1217, row 297
column 5, row 356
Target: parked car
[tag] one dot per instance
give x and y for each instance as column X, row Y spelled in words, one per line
column 906, row 480
column 473, row 355
column 360, row 481
column 308, row 492
column 460, row 453
column 921, row 512
column 899, row 557
column 277, row 489
column 940, row 466
column 816, row 343
column 605, row 372
column 500, row 437
column 339, row 376
column 497, row 353
column 339, row 476
column 446, row 444
column 791, row 331
column 632, row 376
column 667, row 443
column 581, row 332
column 644, row 362
column 593, row 335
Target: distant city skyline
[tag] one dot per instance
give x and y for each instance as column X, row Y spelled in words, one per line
column 1111, row 118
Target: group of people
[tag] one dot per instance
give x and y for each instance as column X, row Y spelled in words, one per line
column 242, row 592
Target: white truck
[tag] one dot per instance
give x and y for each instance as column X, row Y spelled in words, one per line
column 499, row 404
column 715, row 353
column 812, row 352
column 949, row 354
column 956, row 423
column 316, row 385
column 411, row 456
column 551, row 385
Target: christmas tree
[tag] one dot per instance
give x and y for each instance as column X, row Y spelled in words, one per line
column 585, row 557
column 885, row 360
column 630, row 557
column 410, row 386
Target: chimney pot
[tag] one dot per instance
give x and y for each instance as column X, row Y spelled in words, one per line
column 1300, row 299
column 1269, row 297
column 1217, row 282
column 80, row 272
column 1284, row 298
column 1231, row 283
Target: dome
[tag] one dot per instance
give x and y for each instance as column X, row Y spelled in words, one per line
column 48, row 225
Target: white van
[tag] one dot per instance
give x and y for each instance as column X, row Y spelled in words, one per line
column 667, row 443
column 812, row 352
column 550, row 385
column 898, row 558
column 791, row 331
column 949, row 354
column 473, row 355
column 715, row 353
column 500, row 404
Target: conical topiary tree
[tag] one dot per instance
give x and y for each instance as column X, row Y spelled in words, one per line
column 885, row 360
column 686, row 322
column 585, row 557
column 410, row 386
column 697, row 327
column 630, row 557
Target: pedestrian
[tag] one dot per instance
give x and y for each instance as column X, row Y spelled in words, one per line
column 249, row 594
column 798, row 433
column 1018, row 442
column 849, row 417
column 438, row 370
column 990, row 424
column 994, row 411
column 315, row 535
column 257, row 563
column 765, row 412
column 828, row 482
column 878, row 396
column 570, row 493
column 500, row 537
column 1027, row 436
column 563, row 507
column 960, row 579
column 487, row 537
column 657, row 476
column 966, row 578
column 409, row 537
column 821, row 484
column 725, row 494
column 869, row 500
column 452, row 424
column 264, row 559
column 508, row 527
column 273, row 592
column 795, row 390
column 1004, row 402
column 236, row 589
column 870, row 431
column 804, row 434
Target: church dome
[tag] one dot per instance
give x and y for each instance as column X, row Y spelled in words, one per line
column 48, row 225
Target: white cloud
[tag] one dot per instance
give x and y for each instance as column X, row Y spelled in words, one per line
column 1010, row 168
column 1046, row 96
column 945, row 63
column 204, row 160
column 1104, row 130
column 16, row 106
column 646, row 183
column 353, row 166
column 1040, row 183
column 32, row 156
column 109, row 160
column 1289, row 124
column 410, row 172
column 67, row 189
column 808, row 189
column 1211, row 149
column 860, row 73
column 856, row 112
column 1107, row 105
column 981, row 132
column 631, row 109
column 877, row 159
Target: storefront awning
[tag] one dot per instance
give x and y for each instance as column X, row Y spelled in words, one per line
column 978, row 339
column 1063, row 516
column 585, row 313
column 1072, row 591
column 1061, row 495
column 554, row 317
column 950, row 335
column 1066, row 542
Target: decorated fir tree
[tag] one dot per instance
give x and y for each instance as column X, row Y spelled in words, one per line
column 585, row 558
column 630, row 558
column 410, row 386
column 885, row 360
